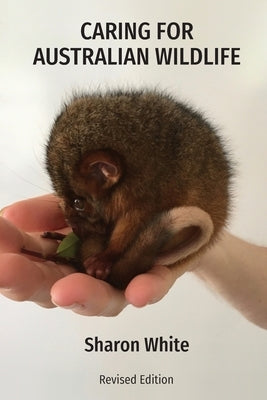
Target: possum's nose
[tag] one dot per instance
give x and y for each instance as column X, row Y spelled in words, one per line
column 77, row 225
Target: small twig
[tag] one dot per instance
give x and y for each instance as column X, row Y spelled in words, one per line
column 53, row 235
column 55, row 258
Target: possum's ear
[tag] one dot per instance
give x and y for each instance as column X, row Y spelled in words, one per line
column 190, row 229
column 99, row 171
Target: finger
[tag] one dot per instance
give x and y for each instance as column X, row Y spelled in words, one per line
column 36, row 214
column 152, row 286
column 12, row 240
column 22, row 279
column 89, row 296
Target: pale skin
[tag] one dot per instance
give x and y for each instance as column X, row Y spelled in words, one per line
column 235, row 269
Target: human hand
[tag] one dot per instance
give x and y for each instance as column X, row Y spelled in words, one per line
column 49, row 284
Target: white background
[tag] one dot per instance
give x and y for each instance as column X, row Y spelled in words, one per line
column 42, row 351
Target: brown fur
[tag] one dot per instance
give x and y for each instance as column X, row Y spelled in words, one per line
column 131, row 157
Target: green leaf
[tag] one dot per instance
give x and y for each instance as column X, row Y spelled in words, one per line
column 69, row 246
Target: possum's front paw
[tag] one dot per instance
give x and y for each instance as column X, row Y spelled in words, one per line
column 98, row 266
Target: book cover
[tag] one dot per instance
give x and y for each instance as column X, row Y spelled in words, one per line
column 193, row 343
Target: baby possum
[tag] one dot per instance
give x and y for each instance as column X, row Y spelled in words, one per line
column 143, row 179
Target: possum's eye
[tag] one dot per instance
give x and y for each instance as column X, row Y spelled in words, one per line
column 79, row 204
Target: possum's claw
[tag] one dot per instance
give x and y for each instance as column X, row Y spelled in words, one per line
column 98, row 266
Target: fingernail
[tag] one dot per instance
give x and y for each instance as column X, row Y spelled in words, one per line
column 6, row 289
column 2, row 212
column 69, row 307
column 152, row 301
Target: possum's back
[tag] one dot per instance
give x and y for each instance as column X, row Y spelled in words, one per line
column 169, row 151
